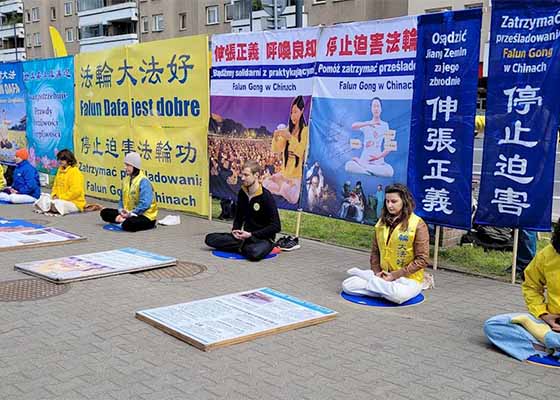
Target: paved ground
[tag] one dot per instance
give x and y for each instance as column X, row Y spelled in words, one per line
column 86, row 343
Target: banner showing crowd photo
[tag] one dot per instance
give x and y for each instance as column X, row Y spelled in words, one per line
column 149, row 98
column 49, row 85
column 260, row 102
column 360, row 122
column 12, row 111
column 443, row 110
column 517, row 179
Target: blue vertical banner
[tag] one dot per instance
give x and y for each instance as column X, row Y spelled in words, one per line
column 49, row 84
column 517, row 179
column 443, row 110
column 12, row 111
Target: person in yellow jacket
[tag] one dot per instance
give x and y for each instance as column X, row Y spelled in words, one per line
column 67, row 195
column 400, row 252
column 523, row 335
column 2, row 178
column 137, row 206
column 291, row 143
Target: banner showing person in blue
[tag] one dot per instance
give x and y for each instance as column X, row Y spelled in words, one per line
column 360, row 116
column 517, row 179
column 50, row 109
column 12, row 111
column 443, row 110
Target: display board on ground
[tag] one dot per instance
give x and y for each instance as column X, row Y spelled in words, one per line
column 15, row 234
column 235, row 318
column 95, row 265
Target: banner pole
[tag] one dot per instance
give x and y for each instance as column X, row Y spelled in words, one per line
column 210, row 209
column 298, row 222
column 514, row 261
column 436, row 247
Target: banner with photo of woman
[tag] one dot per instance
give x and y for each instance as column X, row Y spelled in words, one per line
column 261, row 85
column 360, row 122
column 50, row 109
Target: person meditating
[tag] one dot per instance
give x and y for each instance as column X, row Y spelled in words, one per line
column 537, row 333
column 25, row 187
column 137, row 206
column 256, row 221
column 67, row 195
column 399, row 254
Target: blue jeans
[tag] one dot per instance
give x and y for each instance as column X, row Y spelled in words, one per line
column 526, row 249
column 514, row 340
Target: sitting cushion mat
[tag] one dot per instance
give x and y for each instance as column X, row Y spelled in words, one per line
column 237, row 256
column 381, row 302
column 113, row 227
column 548, row 361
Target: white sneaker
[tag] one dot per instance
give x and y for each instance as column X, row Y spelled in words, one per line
column 170, row 220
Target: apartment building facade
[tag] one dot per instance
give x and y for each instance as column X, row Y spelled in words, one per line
column 91, row 25
column 12, row 32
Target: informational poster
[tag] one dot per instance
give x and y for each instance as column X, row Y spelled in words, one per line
column 153, row 99
column 522, row 117
column 95, row 265
column 49, row 84
column 12, row 111
column 443, row 110
column 16, row 238
column 360, row 118
column 261, row 86
column 235, row 318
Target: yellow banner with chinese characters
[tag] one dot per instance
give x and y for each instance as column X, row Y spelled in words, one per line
column 153, row 99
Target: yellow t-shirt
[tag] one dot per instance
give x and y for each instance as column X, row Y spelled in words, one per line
column 293, row 166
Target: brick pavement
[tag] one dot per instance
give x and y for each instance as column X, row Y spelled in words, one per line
column 86, row 343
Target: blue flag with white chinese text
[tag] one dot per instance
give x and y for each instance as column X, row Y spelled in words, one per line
column 443, row 110
column 522, row 116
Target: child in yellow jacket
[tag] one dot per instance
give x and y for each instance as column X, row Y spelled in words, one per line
column 67, row 195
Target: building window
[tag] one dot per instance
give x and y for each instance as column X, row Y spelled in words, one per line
column 228, row 12
column 212, row 15
column 145, row 24
column 69, row 32
column 437, row 10
column 53, row 13
column 35, row 14
column 28, row 40
column 37, row 39
column 68, row 9
column 27, row 16
column 182, row 21
column 472, row 6
column 157, row 23
column 319, row 1
column 78, row 36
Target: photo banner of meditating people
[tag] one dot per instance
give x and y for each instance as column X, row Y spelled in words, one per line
column 360, row 120
column 261, row 85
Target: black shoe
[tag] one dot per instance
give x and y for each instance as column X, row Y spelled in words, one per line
column 289, row 243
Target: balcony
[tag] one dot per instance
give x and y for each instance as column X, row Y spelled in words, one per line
column 7, row 55
column 97, row 43
column 106, row 14
column 9, row 31
column 11, row 6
